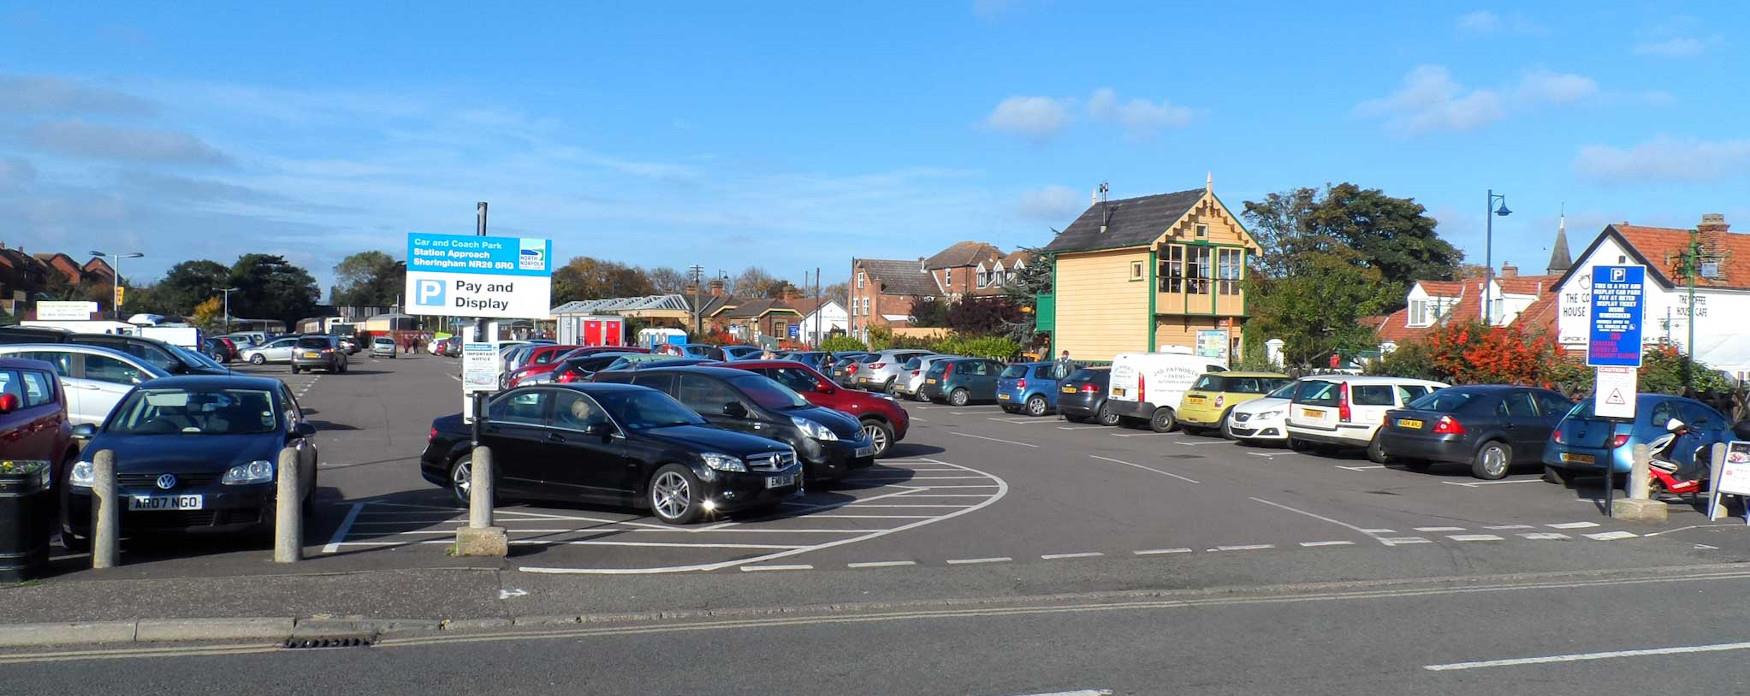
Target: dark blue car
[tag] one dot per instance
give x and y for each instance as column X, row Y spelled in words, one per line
column 1029, row 388
column 1582, row 443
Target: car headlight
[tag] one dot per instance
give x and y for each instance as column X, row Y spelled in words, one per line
column 1270, row 415
column 258, row 471
column 723, row 462
column 814, row 430
column 82, row 475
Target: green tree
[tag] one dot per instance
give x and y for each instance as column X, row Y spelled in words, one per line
column 187, row 284
column 269, row 287
column 838, row 344
column 586, row 278
column 929, row 313
column 1392, row 235
column 1023, row 292
column 368, row 279
column 1315, row 310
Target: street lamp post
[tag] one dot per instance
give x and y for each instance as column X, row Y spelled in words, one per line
column 116, row 287
column 227, row 292
column 1490, row 211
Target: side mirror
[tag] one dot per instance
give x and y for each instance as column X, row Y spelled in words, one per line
column 598, row 429
column 84, row 431
column 734, row 409
column 303, row 429
column 8, row 403
column 1673, row 425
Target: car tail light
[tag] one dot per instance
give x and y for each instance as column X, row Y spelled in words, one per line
column 914, row 373
column 567, row 377
column 1619, row 440
column 431, row 435
column 851, row 368
column 1557, row 436
column 1021, row 383
column 1141, row 389
column 1447, row 425
column 947, row 369
column 1343, row 412
column 1089, row 388
column 877, row 366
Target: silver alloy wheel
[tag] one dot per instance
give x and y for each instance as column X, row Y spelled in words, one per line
column 462, row 481
column 959, row 397
column 1494, row 461
column 1036, row 406
column 670, row 495
column 877, row 435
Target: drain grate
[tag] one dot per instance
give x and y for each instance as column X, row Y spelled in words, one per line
column 334, row 642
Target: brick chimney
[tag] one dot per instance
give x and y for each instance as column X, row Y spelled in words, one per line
column 1711, row 232
column 716, row 288
column 921, row 263
column 1508, row 270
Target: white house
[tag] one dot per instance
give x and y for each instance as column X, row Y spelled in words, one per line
column 1722, row 289
column 830, row 316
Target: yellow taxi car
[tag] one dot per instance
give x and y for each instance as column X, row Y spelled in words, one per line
column 1214, row 394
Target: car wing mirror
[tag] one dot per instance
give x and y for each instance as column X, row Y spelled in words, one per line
column 598, row 429
column 1673, row 425
column 734, row 409
column 84, row 431
column 303, row 429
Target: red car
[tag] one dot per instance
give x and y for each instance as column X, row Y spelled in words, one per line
column 33, row 415
column 884, row 420
column 544, row 359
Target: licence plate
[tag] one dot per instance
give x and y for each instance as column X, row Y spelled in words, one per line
column 1410, row 423
column 1194, row 397
column 865, row 451
column 1118, row 391
column 929, row 381
column 780, row 481
column 1578, row 458
column 1002, row 397
column 1312, row 413
column 164, row 502
column 312, row 356
column 1069, row 390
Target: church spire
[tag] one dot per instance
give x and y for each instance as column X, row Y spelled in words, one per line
column 1559, row 258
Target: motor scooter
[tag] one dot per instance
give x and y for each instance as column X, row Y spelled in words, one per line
column 1664, row 474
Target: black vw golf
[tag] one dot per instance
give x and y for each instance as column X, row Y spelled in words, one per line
column 616, row 444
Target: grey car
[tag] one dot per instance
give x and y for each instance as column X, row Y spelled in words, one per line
column 318, row 352
column 882, row 372
column 911, row 377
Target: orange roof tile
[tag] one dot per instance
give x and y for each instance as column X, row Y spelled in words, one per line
column 1662, row 248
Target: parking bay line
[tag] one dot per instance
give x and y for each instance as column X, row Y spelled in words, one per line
column 345, row 528
column 757, row 568
column 881, row 564
column 1322, row 518
column 1060, row 556
column 1582, row 657
column 551, row 542
column 973, row 561
column 995, row 439
column 1474, row 484
column 1146, row 468
column 1159, row 552
column 1474, row 537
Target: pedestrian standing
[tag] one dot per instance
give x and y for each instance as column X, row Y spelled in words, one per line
column 1064, row 365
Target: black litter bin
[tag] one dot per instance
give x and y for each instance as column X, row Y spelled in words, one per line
column 26, row 519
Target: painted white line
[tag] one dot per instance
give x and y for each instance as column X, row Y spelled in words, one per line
column 1378, row 531
column 1244, row 547
column 1145, row 468
column 886, row 505
column 458, row 378
column 971, row 561
column 1326, row 543
column 919, row 419
column 1078, row 692
column 965, row 413
column 1474, row 484
column 1266, row 455
column 1072, row 427
column 956, row 487
column 1545, row 536
column 1022, row 421
column 943, row 495
column 1583, row 657
column 1200, row 444
column 658, row 544
column 1058, row 556
column 1509, row 526
column 872, row 517
column 1359, row 468
column 1440, row 529
column 995, row 439
column 1322, row 518
column 1475, row 537
column 1573, row 525
column 1160, row 552
column 755, row 569
column 1134, row 434
column 1400, row 541
column 1693, row 526
column 1611, row 536
column 345, row 527
column 881, row 564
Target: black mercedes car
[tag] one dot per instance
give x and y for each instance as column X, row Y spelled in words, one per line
column 192, row 454
column 616, row 444
column 830, row 443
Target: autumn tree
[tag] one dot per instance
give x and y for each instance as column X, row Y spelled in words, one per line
column 208, row 316
column 586, row 278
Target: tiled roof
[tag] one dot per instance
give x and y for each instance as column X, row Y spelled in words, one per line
column 1540, row 317
column 1527, row 285
column 1017, row 255
column 900, row 277
column 758, row 308
column 1662, row 248
column 1132, row 222
column 963, row 254
column 1441, row 288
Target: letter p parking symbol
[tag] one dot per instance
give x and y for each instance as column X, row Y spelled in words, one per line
column 428, row 292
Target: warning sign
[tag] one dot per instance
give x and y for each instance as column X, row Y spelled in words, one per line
column 1615, row 393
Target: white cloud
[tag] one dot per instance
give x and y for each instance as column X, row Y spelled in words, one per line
column 1677, row 47
column 81, row 139
column 1484, row 22
column 1665, row 159
column 1052, row 203
column 53, row 95
column 1141, row 118
column 16, row 173
column 1430, row 100
column 1036, row 118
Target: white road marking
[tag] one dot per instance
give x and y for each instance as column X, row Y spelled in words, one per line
column 1400, row 541
column 1611, row 536
column 753, row 569
column 345, row 528
column 1072, row 427
column 880, row 564
column 507, row 594
column 1475, row 537
column 1378, row 531
column 944, row 495
column 1359, row 468
column 1440, row 529
column 1474, row 484
column 1058, row 556
column 458, row 378
column 1078, row 692
column 1545, row 536
column 1322, row 518
column 970, row 561
column 1706, row 547
column 1326, row 543
column 1509, row 526
column 1244, row 547
column 1266, row 455
column 1583, row 657
column 1200, row 444
column 995, row 439
column 1133, row 434
column 1159, row 552
column 870, row 517
column 1573, row 525
column 1145, row 468
column 1022, row 421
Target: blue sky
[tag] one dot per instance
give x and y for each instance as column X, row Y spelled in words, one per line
column 800, row 135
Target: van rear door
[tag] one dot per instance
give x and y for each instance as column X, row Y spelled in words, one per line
column 1123, row 382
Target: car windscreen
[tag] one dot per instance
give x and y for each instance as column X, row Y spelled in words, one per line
column 796, row 379
column 1014, row 372
column 217, row 411
column 767, row 393
column 1444, row 400
column 317, row 342
column 1088, row 374
column 1213, row 383
column 644, row 409
column 913, row 363
column 1285, row 391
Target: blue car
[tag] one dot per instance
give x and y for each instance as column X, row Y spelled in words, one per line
column 735, row 353
column 1582, row 442
column 1029, row 388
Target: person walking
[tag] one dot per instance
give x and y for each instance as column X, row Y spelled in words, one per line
column 1065, row 366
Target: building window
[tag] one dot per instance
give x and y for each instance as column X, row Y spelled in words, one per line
column 859, row 280
column 1419, row 313
column 1172, row 271
column 1136, row 270
column 1198, row 270
column 1202, row 231
column 1227, row 271
column 996, row 278
column 983, row 277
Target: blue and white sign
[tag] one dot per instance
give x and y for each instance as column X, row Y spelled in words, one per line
column 795, row 331
column 466, row 275
column 1618, row 307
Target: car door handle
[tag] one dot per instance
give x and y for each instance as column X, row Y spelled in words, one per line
column 555, row 437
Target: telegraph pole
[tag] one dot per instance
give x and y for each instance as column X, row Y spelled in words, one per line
column 698, row 276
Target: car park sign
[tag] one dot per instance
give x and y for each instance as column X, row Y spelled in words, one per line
column 1616, row 316
column 477, row 276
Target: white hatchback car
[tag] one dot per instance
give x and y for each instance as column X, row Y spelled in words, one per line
column 1262, row 420
column 1346, row 411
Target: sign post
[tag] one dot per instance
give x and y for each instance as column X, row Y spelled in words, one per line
column 1613, row 349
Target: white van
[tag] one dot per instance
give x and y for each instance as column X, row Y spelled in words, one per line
column 1347, row 410
column 1148, row 386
